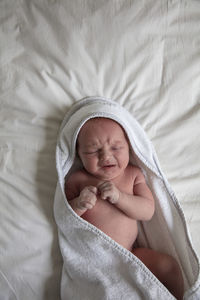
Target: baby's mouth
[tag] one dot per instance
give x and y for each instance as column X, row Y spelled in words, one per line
column 108, row 166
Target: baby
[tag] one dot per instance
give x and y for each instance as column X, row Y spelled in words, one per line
column 112, row 194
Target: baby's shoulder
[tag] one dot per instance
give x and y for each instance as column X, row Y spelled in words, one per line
column 73, row 183
column 134, row 171
column 77, row 177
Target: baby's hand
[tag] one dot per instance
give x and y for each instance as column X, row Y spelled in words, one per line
column 108, row 191
column 87, row 198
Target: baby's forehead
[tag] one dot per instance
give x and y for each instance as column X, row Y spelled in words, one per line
column 105, row 125
column 99, row 121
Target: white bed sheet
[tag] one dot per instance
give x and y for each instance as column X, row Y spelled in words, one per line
column 143, row 54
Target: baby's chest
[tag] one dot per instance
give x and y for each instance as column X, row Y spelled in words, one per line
column 124, row 185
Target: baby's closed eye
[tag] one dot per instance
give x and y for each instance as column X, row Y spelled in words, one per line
column 116, row 148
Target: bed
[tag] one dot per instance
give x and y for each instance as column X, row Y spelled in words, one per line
column 143, row 54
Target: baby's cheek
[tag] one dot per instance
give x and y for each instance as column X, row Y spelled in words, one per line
column 92, row 167
column 124, row 162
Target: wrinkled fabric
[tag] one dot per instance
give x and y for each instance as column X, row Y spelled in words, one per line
column 143, row 54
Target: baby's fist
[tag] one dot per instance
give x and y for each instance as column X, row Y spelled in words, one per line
column 109, row 191
column 87, row 198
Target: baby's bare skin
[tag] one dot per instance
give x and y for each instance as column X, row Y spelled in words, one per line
column 109, row 192
column 103, row 214
column 113, row 195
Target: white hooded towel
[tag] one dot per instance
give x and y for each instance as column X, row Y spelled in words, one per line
column 94, row 265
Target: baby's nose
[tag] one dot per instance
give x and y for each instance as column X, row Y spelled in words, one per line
column 104, row 155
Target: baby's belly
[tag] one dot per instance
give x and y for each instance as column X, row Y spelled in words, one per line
column 113, row 222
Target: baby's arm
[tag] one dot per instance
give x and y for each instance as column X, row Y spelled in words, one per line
column 80, row 203
column 138, row 206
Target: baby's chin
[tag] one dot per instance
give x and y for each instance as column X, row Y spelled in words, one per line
column 108, row 175
column 105, row 178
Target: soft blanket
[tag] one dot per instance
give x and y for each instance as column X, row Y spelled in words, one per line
column 94, row 265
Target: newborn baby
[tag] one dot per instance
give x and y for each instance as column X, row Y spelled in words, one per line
column 112, row 194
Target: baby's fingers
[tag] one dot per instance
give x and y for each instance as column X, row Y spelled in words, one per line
column 92, row 189
column 88, row 205
column 89, row 191
column 105, row 194
column 104, row 184
column 108, row 191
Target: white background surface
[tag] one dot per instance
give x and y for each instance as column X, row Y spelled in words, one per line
column 143, row 54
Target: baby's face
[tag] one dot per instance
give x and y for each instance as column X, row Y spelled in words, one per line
column 103, row 148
